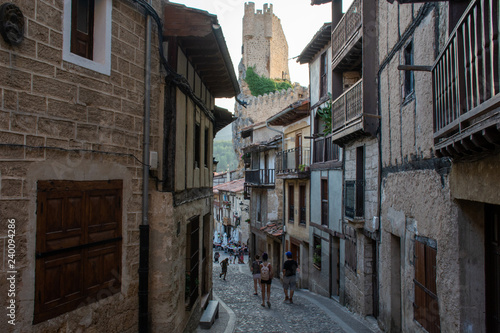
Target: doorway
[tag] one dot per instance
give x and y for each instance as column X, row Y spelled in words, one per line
column 334, row 267
column 395, row 284
column 492, row 267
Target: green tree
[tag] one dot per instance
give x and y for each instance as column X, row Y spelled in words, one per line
column 224, row 153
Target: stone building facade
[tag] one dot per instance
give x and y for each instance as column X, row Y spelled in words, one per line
column 264, row 43
column 71, row 166
column 439, row 205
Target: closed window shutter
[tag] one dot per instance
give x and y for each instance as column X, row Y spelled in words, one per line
column 78, row 251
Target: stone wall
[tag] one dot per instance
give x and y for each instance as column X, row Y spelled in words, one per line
column 264, row 43
column 416, row 198
column 61, row 121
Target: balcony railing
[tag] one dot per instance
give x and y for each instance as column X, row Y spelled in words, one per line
column 324, row 150
column 466, row 74
column 347, row 26
column 259, row 177
column 354, row 199
column 292, row 160
column 348, row 106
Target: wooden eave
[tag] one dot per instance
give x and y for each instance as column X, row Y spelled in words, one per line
column 291, row 114
column 321, row 39
column 222, row 118
column 200, row 36
column 320, row 2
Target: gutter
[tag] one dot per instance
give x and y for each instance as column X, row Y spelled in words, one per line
column 144, row 227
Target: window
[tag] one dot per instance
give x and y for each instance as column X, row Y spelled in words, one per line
column 291, row 207
column 197, row 145
column 426, row 306
column 317, row 252
column 82, row 28
column 409, row 82
column 324, row 201
column 192, row 261
column 207, row 157
column 323, row 85
column 302, row 204
column 360, row 181
column 81, row 46
column 78, row 244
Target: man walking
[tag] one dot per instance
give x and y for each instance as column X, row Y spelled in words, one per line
column 289, row 276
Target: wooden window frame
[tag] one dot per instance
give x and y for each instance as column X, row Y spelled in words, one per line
column 317, row 252
column 324, row 202
column 291, row 203
column 302, row 204
column 197, row 145
column 323, row 83
column 82, row 43
column 409, row 82
column 426, row 305
column 78, row 241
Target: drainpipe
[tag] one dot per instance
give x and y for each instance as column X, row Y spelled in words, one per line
column 144, row 227
column 284, row 227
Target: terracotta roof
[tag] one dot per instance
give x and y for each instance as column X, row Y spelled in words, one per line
column 318, row 42
column 234, row 186
column 273, row 229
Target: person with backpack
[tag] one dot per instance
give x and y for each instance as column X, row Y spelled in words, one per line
column 266, row 277
column 289, row 276
column 256, row 273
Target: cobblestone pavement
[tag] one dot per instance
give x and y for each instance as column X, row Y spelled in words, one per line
column 241, row 311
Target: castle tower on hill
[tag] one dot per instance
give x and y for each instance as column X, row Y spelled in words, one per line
column 264, row 43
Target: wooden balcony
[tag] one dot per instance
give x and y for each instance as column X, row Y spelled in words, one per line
column 346, row 38
column 293, row 163
column 466, row 85
column 349, row 119
column 324, row 150
column 259, row 177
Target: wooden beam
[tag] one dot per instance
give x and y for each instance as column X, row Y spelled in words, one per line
column 415, row 68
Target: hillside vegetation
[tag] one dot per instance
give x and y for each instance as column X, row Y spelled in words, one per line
column 224, row 153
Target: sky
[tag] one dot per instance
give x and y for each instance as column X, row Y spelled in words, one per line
column 300, row 21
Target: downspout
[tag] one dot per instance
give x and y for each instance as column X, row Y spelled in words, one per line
column 284, row 199
column 144, row 227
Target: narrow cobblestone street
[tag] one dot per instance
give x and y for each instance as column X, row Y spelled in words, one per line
column 240, row 310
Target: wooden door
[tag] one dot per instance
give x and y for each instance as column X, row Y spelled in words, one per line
column 492, row 267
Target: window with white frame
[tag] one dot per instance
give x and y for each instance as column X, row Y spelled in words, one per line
column 87, row 34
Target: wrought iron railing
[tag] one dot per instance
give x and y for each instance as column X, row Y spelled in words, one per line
column 259, row 177
column 348, row 106
column 293, row 160
column 324, row 150
column 354, row 198
column 466, row 73
column 347, row 26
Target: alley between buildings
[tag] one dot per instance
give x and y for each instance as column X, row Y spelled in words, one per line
column 240, row 310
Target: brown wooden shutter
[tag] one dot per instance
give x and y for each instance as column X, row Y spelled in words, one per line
column 78, row 248
column 82, row 28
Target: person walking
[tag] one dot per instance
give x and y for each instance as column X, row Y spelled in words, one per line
column 256, row 272
column 289, row 276
column 224, row 263
column 266, row 277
